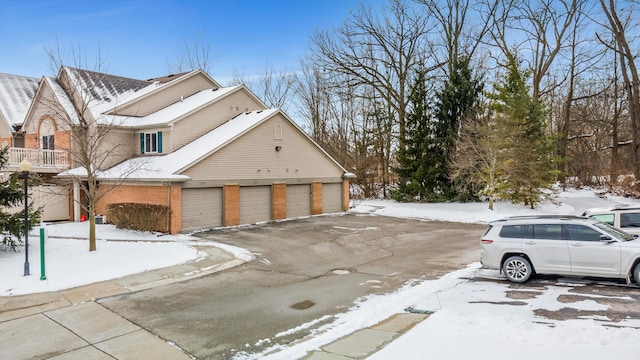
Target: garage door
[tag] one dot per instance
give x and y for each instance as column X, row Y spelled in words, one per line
column 298, row 200
column 255, row 204
column 201, row 208
column 55, row 201
column 331, row 198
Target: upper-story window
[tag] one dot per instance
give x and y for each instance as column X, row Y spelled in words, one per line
column 47, row 140
column 151, row 142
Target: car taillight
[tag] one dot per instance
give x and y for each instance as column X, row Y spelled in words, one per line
column 488, row 242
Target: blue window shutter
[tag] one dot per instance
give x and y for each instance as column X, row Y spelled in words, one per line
column 159, row 142
column 141, row 143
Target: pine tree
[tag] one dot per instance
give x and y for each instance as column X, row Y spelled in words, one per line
column 11, row 196
column 415, row 162
column 456, row 101
column 530, row 164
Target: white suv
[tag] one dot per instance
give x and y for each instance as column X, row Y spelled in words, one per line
column 564, row 245
column 625, row 217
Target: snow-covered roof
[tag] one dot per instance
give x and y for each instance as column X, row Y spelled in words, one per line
column 169, row 166
column 16, row 94
column 62, row 97
column 171, row 112
column 107, row 91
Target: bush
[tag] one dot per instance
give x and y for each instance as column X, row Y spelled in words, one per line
column 141, row 217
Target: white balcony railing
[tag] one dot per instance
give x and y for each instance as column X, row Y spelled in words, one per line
column 39, row 158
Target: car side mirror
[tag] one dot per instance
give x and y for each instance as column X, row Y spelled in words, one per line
column 605, row 238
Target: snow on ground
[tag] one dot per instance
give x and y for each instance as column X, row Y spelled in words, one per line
column 464, row 324
column 69, row 263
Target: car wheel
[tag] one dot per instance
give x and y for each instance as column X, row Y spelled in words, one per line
column 517, row 269
column 636, row 274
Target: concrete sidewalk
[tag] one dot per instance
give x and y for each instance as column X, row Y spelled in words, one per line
column 69, row 324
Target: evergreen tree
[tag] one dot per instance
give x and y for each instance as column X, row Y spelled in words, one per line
column 415, row 162
column 456, row 101
column 11, row 196
column 530, row 165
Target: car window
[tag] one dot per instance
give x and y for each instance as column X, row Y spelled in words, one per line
column 605, row 218
column 512, row 231
column 630, row 220
column 581, row 233
column 615, row 232
column 547, row 231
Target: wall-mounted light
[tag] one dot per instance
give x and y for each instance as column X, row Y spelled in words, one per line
column 278, row 148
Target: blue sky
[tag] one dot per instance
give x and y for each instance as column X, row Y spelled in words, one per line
column 139, row 39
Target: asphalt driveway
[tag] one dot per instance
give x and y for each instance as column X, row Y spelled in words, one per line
column 304, row 270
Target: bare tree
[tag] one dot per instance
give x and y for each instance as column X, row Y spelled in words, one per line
column 277, row 88
column 194, row 55
column 377, row 52
column 95, row 143
column 631, row 79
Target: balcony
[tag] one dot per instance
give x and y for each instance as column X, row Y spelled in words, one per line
column 41, row 160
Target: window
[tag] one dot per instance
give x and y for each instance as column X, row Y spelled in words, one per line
column 46, row 130
column 47, row 142
column 605, row 218
column 581, row 233
column 630, row 220
column 550, row 231
column 511, row 231
column 151, row 142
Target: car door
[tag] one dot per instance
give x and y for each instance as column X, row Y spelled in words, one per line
column 548, row 250
column 590, row 255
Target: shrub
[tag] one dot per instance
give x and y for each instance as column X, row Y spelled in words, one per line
column 141, row 217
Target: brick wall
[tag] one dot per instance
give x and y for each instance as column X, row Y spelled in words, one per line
column 8, row 140
column 231, row 196
column 140, row 194
column 279, row 201
column 345, row 195
column 31, row 141
column 316, row 198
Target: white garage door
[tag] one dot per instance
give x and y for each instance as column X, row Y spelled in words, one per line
column 255, row 204
column 298, row 200
column 55, row 200
column 201, row 208
column 331, row 198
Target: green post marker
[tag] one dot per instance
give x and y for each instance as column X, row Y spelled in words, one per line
column 42, row 272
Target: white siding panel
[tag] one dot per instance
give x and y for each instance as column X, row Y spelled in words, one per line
column 298, row 200
column 331, row 198
column 201, row 208
column 255, row 204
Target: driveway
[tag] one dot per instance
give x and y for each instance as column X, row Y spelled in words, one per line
column 304, row 270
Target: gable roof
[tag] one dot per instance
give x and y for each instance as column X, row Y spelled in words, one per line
column 104, row 91
column 170, row 166
column 16, row 94
column 172, row 112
